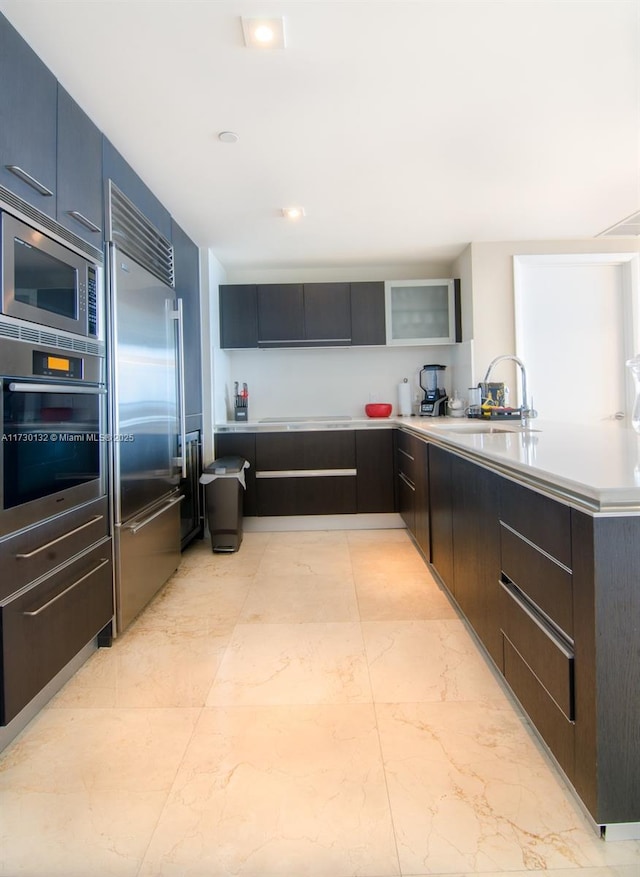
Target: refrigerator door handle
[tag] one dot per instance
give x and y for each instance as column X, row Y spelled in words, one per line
column 138, row 525
column 178, row 315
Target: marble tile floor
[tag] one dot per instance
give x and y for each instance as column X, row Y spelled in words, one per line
column 311, row 706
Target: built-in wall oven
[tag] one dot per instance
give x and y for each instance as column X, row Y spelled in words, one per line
column 53, row 432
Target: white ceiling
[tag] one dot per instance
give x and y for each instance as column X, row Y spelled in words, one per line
column 405, row 129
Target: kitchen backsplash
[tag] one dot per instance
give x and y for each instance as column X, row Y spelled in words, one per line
column 333, row 381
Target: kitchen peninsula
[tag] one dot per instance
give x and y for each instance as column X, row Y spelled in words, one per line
column 535, row 535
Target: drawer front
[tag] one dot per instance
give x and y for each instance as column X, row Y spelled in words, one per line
column 543, row 521
column 407, row 502
column 323, row 495
column 407, row 456
column 45, row 626
column 542, row 580
column 310, row 450
column 374, row 463
column 32, row 553
column 552, row 724
column 547, row 657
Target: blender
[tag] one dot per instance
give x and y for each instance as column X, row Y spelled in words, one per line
column 435, row 396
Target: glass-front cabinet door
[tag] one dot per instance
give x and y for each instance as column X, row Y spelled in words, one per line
column 421, row 312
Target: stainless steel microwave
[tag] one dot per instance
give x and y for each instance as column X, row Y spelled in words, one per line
column 44, row 282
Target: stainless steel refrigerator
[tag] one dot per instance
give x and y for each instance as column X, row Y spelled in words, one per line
column 147, row 424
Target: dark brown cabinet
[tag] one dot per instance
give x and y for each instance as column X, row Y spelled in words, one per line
column 412, row 485
column 368, row 325
column 302, row 315
column 475, row 500
column 306, row 473
column 315, row 473
column 43, row 627
column 536, row 613
column 374, row 464
column 606, row 609
column 441, row 514
column 238, row 316
column 28, row 131
column 117, row 169
column 280, row 314
column 309, row 314
column 327, row 313
column 79, row 188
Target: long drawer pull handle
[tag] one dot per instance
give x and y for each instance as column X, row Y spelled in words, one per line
column 67, row 389
column 32, row 614
column 306, row 473
column 409, row 484
column 29, row 180
column 35, row 551
column 134, row 528
column 407, row 454
column 79, row 217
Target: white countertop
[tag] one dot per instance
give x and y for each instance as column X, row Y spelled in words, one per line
column 593, row 467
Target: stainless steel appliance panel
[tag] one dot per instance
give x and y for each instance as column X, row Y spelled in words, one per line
column 45, row 282
column 146, row 391
column 147, row 551
column 191, row 512
column 52, row 455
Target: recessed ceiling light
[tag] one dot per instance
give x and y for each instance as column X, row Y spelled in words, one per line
column 263, row 33
column 293, row 212
column 228, row 137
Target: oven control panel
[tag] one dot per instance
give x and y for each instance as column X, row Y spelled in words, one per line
column 57, row 365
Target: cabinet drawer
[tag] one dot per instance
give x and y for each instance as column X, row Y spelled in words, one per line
column 31, row 553
column 305, row 450
column 544, row 581
column 44, row 627
column 307, row 495
column 541, row 520
column 406, row 455
column 547, row 657
column 555, row 729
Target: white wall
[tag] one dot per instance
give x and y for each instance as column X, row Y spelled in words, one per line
column 328, row 381
column 492, row 288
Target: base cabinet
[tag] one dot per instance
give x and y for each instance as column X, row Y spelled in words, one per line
column 476, row 550
column 46, row 625
column 553, row 595
column 412, row 479
column 314, row 473
column 441, row 514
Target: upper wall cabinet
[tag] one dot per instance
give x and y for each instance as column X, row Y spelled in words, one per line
column 275, row 315
column 28, row 122
column 79, row 206
column 238, row 316
column 127, row 180
column 422, row 312
column 367, row 313
column 186, row 260
column 304, row 315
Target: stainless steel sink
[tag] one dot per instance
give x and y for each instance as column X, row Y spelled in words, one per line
column 485, row 428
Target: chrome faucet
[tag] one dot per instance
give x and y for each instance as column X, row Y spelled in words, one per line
column 526, row 411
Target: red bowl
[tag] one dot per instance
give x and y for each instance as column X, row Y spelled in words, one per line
column 378, row 409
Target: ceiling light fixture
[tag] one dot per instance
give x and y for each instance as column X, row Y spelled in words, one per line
column 263, row 33
column 228, row 137
column 293, row 212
